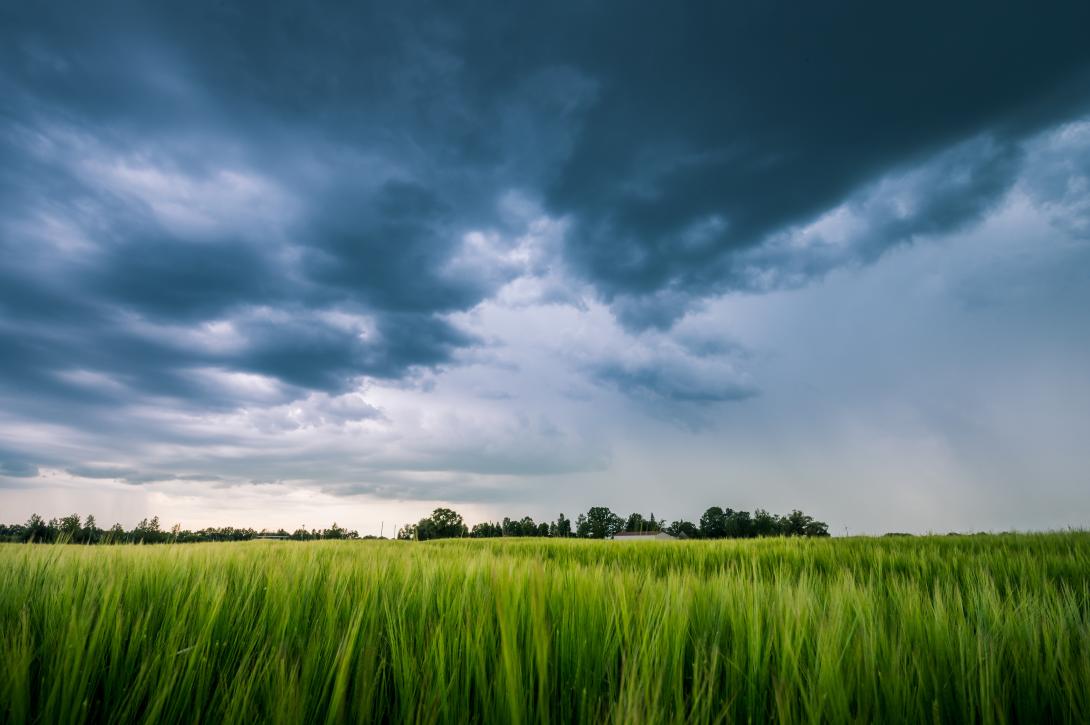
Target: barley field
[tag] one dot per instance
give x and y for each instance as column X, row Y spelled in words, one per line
column 932, row 629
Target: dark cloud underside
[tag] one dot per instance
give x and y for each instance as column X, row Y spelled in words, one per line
column 717, row 126
column 284, row 190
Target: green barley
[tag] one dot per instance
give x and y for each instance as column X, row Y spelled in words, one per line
column 940, row 629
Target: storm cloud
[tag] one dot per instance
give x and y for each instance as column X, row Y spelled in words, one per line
column 418, row 240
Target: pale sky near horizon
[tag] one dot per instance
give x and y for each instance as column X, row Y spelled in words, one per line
column 275, row 265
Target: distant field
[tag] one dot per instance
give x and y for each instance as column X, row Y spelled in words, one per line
column 946, row 629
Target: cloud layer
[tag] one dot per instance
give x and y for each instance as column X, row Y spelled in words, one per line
column 417, row 253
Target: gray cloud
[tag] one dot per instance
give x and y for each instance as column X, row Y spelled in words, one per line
column 171, row 184
column 679, row 376
column 17, row 468
column 720, row 125
column 942, row 195
column 135, row 477
column 218, row 226
column 128, row 475
column 1060, row 179
column 671, row 383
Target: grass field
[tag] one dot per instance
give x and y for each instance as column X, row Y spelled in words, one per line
column 942, row 629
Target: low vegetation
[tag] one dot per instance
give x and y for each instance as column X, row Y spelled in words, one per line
column 73, row 529
column 921, row 629
column 598, row 523
column 601, row 523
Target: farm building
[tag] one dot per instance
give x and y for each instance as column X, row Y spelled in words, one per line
column 643, row 536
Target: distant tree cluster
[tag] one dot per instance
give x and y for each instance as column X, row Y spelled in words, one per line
column 525, row 526
column 442, row 524
column 601, row 523
column 717, row 523
column 73, row 530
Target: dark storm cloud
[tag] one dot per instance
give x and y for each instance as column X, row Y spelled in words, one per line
column 719, row 124
column 16, row 467
column 389, row 253
column 214, row 186
column 952, row 190
column 313, row 354
column 169, row 279
column 115, row 132
column 662, row 381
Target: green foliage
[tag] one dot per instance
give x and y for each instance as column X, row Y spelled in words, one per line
column 486, row 530
column 521, row 527
column 683, row 529
column 600, row 523
column 712, row 525
column 442, row 524
column 717, row 523
column 922, row 629
column 68, row 530
column 638, row 524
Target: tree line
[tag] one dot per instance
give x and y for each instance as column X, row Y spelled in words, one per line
column 74, row 530
column 601, row 523
column 597, row 523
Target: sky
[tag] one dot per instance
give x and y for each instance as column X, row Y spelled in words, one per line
column 279, row 264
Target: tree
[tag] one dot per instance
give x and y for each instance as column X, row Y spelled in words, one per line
column 334, row 532
column 443, row 523
column 69, row 528
column 795, row 523
column 147, row 532
column 635, row 523
column 14, row 533
column 738, row 524
column 683, row 530
column 765, row 524
column 447, row 523
column 598, row 523
column 603, row 523
column 91, row 533
column 36, row 529
column 712, row 524
column 486, row 530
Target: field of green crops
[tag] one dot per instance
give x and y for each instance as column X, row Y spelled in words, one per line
column 938, row 629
